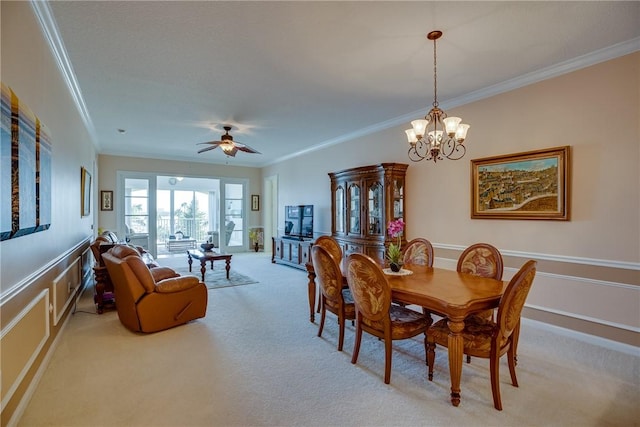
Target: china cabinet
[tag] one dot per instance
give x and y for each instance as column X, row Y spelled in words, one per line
column 363, row 201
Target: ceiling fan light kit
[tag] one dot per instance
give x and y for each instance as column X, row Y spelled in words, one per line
column 227, row 144
column 437, row 136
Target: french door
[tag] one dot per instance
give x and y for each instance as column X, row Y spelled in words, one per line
column 218, row 209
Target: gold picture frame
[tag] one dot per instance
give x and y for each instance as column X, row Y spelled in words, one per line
column 85, row 192
column 528, row 185
column 106, row 200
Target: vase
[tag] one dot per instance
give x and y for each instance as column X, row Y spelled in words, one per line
column 395, row 266
column 256, row 247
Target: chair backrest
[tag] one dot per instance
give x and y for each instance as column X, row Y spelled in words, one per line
column 328, row 274
column 95, row 248
column 513, row 299
column 129, row 278
column 330, row 244
column 481, row 259
column 418, row 252
column 369, row 287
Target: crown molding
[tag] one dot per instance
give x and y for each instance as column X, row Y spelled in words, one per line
column 50, row 30
column 592, row 58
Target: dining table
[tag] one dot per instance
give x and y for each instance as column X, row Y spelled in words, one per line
column 444, row 292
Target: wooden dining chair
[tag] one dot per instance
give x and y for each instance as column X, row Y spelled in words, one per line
column 333, row 296
column 332, row 245
column 486, row 338
column 485, row 260
column 374, row 312
column 419, row 251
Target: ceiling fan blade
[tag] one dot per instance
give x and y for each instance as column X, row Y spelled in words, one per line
column 233, row 152
column 246, row 148
column 207, row 149
column 210, row 142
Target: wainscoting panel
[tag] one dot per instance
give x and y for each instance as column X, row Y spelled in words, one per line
column 568, row 292
column 65, row 287
column 21, row 342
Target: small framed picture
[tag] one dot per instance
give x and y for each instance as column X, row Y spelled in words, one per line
column 106, row 200
column 255, row 202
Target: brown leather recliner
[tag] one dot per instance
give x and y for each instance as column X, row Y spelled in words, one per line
column 152, row 300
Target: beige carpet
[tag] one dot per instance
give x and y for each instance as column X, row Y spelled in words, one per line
column 255, row 360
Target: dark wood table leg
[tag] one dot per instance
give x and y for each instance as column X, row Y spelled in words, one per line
column 228, row 266
column 190, row 261
column 456, row 352
column 203, row 267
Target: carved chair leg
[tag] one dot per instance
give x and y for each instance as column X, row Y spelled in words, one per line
column 431, row 356
column 322, row 312
column 387, row 360
column 356, row 344
column 341, row 335
column 494, row 363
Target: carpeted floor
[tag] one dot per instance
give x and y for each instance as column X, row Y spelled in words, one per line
column 255, row 360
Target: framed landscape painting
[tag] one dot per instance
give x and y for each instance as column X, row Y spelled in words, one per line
column 530, row 185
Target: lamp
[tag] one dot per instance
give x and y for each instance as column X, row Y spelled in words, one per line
column 437, row 136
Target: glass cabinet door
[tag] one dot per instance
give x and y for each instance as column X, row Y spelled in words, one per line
column 375, row 210
column 398, row 198
column 354, row 209
column 339, row 212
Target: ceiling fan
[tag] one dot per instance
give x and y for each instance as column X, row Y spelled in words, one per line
column 228, row 145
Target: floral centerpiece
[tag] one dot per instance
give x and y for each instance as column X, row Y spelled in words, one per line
column 395, row 230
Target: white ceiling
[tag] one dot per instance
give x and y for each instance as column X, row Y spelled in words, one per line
column 296, row 75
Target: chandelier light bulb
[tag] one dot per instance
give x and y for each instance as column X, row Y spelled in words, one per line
column 419, row 127
column 451, row 125
column 411, row 136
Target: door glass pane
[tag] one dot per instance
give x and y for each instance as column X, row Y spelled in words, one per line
column 398, row 198
column 354, row 209
column 233, row 208
column 339, row 210
column 374, row 198
column 188, row 208
column 136, row 211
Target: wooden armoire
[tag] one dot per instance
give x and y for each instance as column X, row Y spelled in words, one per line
column 363, row 202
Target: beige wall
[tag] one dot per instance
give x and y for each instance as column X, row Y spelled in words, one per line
column 30, row 70
column 591, row 270
column 41, row 273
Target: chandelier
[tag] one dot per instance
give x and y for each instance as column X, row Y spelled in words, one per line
column 437, row 136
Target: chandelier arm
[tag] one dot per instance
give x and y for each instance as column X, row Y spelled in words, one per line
column 453, row 150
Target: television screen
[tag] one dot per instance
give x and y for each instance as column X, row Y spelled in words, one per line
column 298, row 221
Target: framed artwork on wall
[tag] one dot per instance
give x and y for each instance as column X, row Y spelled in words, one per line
column 255, row 202
column 25, row 169
column 529, row 185
column 106, row 200
column 85, row 190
